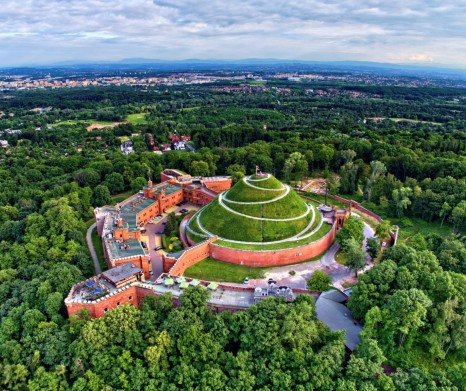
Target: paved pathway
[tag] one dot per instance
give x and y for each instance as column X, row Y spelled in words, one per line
column 303, row 271
column 97, row 268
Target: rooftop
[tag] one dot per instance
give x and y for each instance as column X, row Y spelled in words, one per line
column 337, row 316
column 121, row 272
column 119, row 249
column 130, row 209
column 243, row 298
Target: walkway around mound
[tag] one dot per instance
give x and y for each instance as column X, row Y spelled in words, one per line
column 286, row 188
column 299, row 236
column 245, row 180
column 220, row 201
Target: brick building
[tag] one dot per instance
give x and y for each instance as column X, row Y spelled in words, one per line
column 120, row 226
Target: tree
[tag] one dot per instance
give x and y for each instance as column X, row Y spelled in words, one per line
column 446, row 208
column 296, row 166
column 319, row 281
column 373, row 247
column 401, row 200
column 170, row 225
column 352, row 229
column 101, row 196
column 138, row 184
column 458, row 216
column 382, row 231
column 199, row 168
column 115, row 182
column 377, row 169
column 355, row 255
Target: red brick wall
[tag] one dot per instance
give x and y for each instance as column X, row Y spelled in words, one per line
column 273, row 258
column 219, row 185
column 135, row 294
column 190, row 257
column 97, row 309
column 167, row 263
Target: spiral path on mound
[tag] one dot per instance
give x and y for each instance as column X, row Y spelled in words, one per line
column 304, row 234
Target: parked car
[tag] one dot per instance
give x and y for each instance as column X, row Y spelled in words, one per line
column 183, row 210
column 158, row 248
column 246, row 280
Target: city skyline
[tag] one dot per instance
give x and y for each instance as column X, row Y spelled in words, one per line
column 418, row 33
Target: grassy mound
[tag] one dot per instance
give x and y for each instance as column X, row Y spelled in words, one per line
column 269, row 183
column 243, row 193
column 289, row 206
column 229, row 225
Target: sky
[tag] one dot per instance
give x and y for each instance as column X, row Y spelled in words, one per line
column 393, row 31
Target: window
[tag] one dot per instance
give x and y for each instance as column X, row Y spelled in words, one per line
column 118, row 304
column 105, row 309
column 130, row 298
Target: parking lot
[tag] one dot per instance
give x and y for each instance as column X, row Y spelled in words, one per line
column 153, row 236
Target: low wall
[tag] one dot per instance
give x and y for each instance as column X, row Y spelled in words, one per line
column 190, row 257
column 269, row 258
column 97, row 308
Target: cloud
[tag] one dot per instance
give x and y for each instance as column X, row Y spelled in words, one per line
column 374, row 30
column 421, row 58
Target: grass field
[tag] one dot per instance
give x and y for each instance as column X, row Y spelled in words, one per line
column 324, row 229
column 99, row 250
column 137, row 119
column 411, row 226
column 83, row 122
column 120, row 197
column 213, row 270
column 290, row 206
column 415, row 121
column 236, row 227
column 243, row 193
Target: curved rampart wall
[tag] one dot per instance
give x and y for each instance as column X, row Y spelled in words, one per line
column 265, row 258
column 270, row 258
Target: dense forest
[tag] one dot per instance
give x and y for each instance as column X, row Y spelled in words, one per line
column 398, row 150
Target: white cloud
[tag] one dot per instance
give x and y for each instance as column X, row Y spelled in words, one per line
column 375, row 30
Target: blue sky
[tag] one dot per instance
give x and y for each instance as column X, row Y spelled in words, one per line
column 395, row 31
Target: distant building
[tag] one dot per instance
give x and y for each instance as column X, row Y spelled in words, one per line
column 3, row 143
column 127, row 147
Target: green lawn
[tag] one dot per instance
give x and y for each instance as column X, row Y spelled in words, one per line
column 99, row 250
column 137, row 119
column 120, row 197
column 415, row 121
column 213, row 270
column 290, row 206
column 324, row 229
column 236, row 227
column 83, row 122
column 412, row 226
column 243, row 193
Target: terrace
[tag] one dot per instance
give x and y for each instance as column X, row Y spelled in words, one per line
column 119, row 249
column 222, row 295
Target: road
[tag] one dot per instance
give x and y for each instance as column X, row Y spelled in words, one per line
column 303, row 271
column 90, row 245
